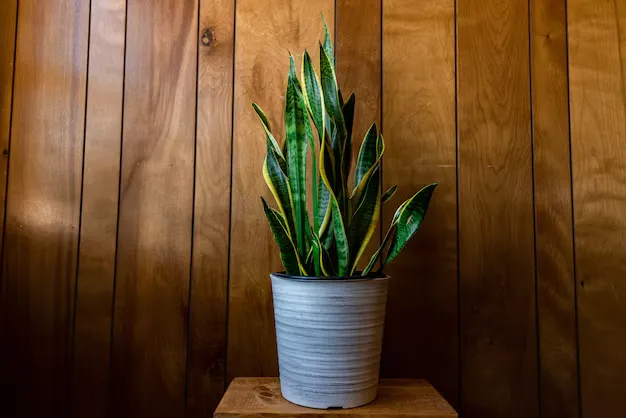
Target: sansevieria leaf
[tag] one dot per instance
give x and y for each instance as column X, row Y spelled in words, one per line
column 296, row 118
column 390, row 233
column 348, row 115
column 266, row 126
column 313, row 96
column 338, row 227
column 380, row 249
column 278, row 183
column 367, row 154
column 409, row 220
column 323, row 207
column 327, row 177
column 389, row 194
column 341, row 240
column 288, row 253
column 365, row 218
column 380, row 149
column 328, row 43
column 345, row 216
column 331, row 93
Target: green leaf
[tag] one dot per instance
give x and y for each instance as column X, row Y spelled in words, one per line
column 388, row 235
column 266, row 126
column 296, row 119
column 288, row 253
column 338, row 130
column 389, row 194
column 365, row 217
column 325, row 260
column 358, row 190
column 278, row 184
column 367, row 154
column 314, row 180
column 323, row 207
column 313, row 96
column 409, row 220
column 338, row 227
column 341, row 240
column 330, row 91
column 348, row 115
column 328, row 43
column 327, row 175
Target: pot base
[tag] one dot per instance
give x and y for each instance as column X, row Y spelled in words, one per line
column 311, row 399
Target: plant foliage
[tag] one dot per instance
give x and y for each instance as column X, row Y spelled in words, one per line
column 331, row 241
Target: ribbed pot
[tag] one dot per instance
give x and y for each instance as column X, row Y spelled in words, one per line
column 329, row 334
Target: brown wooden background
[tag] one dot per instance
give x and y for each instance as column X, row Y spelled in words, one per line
column 135, row 251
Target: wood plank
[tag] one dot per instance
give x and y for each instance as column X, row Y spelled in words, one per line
column 43, row 207
column 8, row 20
column 358, row 70
column 396, row 398
column 496, row 227
column 419, row 125
column 207, row 343
column 598, row 118
column 96, row 263
column 558, row 371
column 358, row 61
column 155, row 218
column 265, row 32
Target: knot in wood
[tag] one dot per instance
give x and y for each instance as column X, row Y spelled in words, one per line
column 207, row 37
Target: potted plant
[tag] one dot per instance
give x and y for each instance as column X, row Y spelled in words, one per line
column 329, row 316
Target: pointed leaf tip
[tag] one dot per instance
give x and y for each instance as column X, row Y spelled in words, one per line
column 409, row 219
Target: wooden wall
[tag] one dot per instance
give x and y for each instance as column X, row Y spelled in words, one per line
column 135, row 255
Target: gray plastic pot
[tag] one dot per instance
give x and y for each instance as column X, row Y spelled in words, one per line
column 329, row 334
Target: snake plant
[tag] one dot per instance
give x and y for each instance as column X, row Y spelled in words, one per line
column 343, row 220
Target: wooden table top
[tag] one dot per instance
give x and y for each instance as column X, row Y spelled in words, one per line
column 260, row 397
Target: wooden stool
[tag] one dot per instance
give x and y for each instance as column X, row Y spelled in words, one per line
column 397, row 398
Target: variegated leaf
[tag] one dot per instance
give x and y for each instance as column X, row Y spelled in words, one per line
column 410, row 219
column 296, row 119
column 365, row 218
column 288, row 253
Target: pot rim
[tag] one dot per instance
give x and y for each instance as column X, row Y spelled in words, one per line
column 285, row 276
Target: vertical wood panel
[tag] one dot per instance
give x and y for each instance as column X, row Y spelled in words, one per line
column 358, row 70
column 96, row 263
column 421, row 334
column 358, row 61
column 266, row 31
column 43, row 207
column 207, row 338
column 598, row 123
column 8, row 20
column 496, row 228
column 155, row 215
column 553, row 211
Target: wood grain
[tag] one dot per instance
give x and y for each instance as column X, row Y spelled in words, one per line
column 496, row 228
column 358, row 61
column 598, row 123
column 558, row 372
column 359, row 44
column 396, row 398
column 266, row 31
column 419, row 124
column 207, row 338
column 8, row 20
column 43, row 207
column 96, row 263
column 155, row 219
